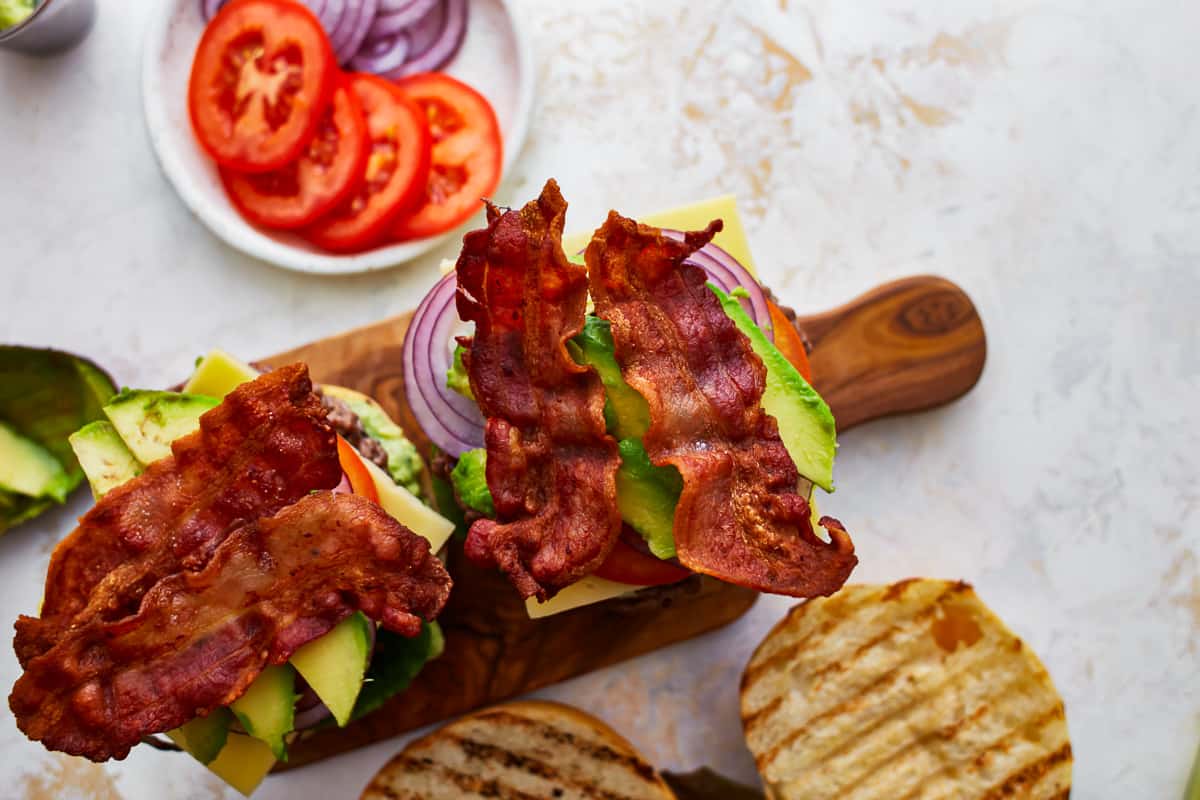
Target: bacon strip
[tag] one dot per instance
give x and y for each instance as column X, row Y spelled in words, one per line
column 201, row 638
column 263, row 448
column 551, row 465
column 740, row 517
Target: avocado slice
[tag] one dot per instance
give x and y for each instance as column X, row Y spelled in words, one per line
column 268, row 707
column 44, row 396
column 334, row 665
column 148, row 421
column 204, row 737
column 625, row 410
column 105, row 459
column 647, row 496
column 469, row 478
column 806, row 424
column 27, row 468
column 457, row 379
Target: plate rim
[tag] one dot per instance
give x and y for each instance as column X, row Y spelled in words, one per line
column 258, row 245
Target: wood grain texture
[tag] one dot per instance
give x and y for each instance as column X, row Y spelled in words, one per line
column 908, row 345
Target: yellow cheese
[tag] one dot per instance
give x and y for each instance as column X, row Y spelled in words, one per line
column 410, row 511
column 732, row 239
column 583, row 593
column 218, row 374
column 242, row 763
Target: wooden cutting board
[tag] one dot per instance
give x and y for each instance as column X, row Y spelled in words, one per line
column 909, row 345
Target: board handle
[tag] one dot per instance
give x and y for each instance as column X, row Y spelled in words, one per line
column 908, row 345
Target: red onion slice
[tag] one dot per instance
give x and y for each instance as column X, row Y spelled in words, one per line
column 444, row 47
column 382, row 56
column 728, row 274
column 389, row 22
column 451, row 421
column 340, row 32
column 359, row 27
column 396, row 6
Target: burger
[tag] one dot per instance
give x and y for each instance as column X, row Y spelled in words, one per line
column 623, row 414
column 259, row 563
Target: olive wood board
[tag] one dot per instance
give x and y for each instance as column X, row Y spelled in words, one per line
column 908, row 345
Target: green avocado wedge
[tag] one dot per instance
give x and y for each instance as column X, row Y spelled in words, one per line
column 469, row 479
column 105, row 459
column 29, row 469
column 647, row 496
column 625, row 411
column 204, row 737
column 148, row 421
column 267, row 708
column 806, row 424
column 334, row 665
column 45, row 395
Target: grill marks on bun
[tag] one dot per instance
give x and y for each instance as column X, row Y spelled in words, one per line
column 912, row 690
column 520, row 750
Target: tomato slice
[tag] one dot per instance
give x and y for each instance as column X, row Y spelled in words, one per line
column 626, row 565
column 394, row 176
column 467, row 154
column 261, row 79
column 789, row 342
column 325, row 174
column 360, row 480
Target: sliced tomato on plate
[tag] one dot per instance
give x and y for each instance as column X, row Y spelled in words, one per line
column 789, row 342
column 261, row 80
column 325, row 174
column 394, row 176
column 625, row 564
column 356, row 472
column 467, row 153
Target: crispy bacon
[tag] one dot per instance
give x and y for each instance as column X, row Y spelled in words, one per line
column 551, row 466
column 740, row 517
column 266, row 446
column 200, row 638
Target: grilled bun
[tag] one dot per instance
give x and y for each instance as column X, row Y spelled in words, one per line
column 911, row 690
column 522, row 750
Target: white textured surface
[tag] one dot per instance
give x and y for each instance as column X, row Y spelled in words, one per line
column 1046, row 156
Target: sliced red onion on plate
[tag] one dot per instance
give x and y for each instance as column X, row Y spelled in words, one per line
column 382, row 56
column 380, row 36
column 388, row 22
column 441, row 48
column 727, row 273
column 451, row 421
column 339, row 32
column 358, row 31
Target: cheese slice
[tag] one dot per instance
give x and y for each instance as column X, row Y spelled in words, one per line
column 694, row 217
column 410, row 511
column 242, row 763
column 582, row 593
column 218, row 374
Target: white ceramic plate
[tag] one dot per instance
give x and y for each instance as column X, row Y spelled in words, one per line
column 495, row 59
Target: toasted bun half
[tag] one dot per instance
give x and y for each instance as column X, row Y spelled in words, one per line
column 520, row 750
column 914, row 690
